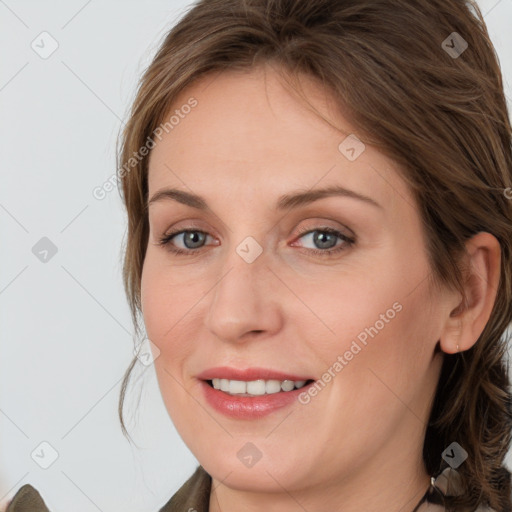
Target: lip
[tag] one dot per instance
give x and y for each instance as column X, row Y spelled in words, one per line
column 248, row 407
column 254, row 373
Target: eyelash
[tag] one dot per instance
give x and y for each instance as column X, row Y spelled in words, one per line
column 165, row 241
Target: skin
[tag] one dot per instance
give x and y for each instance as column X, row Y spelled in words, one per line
column 358, row 443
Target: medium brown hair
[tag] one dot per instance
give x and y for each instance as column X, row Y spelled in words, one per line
column 442, row 117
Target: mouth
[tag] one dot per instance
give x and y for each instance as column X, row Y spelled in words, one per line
column 258, row 387
column 251, row 393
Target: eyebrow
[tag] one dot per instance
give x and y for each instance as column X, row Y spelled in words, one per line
column 287, row 201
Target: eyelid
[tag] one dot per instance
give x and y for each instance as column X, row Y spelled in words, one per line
column 314, row 223
column 318, row 224
column 187, row 225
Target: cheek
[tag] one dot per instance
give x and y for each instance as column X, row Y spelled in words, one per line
column 386, row 352
column 358, row 307
column 153, row 302
column 162, row 299
column 380, row 319
column 171, row 314
column 163, row 310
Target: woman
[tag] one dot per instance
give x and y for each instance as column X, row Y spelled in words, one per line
column 336, row 353
column 319, row 245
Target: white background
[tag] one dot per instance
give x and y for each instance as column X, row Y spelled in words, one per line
column 65, row 338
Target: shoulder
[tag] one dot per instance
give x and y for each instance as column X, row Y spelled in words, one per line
column 193, row 495
column 27, row 499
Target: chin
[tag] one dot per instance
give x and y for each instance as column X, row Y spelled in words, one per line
column 259, row 479
column 264, row 476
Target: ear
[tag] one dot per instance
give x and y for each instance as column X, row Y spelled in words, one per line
column 466, row 322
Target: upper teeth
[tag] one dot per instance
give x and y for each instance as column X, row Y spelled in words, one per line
column 256, row 387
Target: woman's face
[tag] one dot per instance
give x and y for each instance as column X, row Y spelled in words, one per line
column 263, row 287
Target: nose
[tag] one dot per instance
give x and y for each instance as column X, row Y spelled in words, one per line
column 245, row 301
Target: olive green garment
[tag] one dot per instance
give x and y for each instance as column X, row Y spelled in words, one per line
column 27, row 499
column 192, row 496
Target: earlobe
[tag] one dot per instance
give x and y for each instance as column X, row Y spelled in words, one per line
column 468, row 319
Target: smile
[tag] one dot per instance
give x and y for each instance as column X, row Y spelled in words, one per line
column 255, row 387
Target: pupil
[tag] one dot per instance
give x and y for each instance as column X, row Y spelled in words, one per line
column 318, row 238
column 191, row 236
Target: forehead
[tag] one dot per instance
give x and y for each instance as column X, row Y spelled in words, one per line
column 254, row 111
column 250, row 131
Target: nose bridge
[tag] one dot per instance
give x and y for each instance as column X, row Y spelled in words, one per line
column 240, row 300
